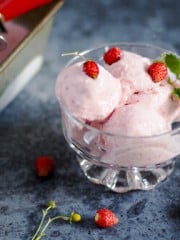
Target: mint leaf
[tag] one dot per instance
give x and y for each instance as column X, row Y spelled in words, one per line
column 173, row 63
column 176, row 92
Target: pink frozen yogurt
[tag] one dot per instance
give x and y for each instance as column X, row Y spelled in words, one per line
column 117, row 101
column 131, row 71
column 133, row 119
column 86, row 98
column 139, row 92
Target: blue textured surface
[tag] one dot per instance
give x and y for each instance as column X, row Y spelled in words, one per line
column 30, row 126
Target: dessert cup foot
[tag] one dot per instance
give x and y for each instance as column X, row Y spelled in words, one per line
column 124, row 179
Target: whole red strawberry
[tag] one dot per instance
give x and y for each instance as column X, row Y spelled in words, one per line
column 91, row 68
column 44, row 166
column 112, row 55
column 158, row 71
column 105, row 218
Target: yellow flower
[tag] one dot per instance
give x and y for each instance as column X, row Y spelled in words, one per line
column 52, row 204
column 75, row 217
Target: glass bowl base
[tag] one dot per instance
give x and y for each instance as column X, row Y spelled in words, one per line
column 125, row 179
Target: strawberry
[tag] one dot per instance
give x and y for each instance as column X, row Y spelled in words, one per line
column 44, row 166
column 91, row 68
column 105, row 218
column 158, row 71
column 112, row 55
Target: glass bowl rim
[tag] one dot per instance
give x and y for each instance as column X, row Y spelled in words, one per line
column 126, row 44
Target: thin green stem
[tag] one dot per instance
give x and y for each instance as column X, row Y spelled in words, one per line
column 65, row 218
column 44, row 213
column 42, row 233
column 50, row 220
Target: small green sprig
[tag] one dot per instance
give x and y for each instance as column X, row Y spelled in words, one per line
column 172, row 62
column 40, row 232
column 176, row 92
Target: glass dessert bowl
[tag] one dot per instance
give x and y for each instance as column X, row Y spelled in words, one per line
column 106, row 151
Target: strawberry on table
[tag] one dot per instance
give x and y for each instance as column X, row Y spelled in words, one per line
column 44, row 166
column 158, row 71
column 112, row 55
column 105, row 218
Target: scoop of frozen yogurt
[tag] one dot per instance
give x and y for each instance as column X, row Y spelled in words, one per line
column 86, row 98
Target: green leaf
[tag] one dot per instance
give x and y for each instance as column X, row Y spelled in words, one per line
column 173, row 63
column 176, row 92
